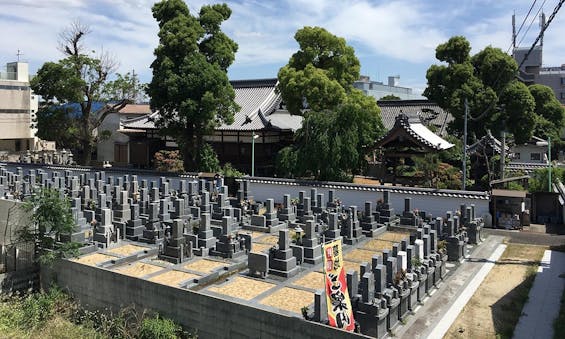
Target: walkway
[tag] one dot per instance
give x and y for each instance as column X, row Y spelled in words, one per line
column 544, row 299
column 440, row 309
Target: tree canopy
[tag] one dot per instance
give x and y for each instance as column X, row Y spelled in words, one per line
column 320, row 73
column 69, row 89
column 190, row 86
column 496, row 100
column 550, row 113
column 340, row 122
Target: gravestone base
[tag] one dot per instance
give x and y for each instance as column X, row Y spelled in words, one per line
column 455, row 249
column 393, row 314
column 313, row 255
column 443, row 268
column 422, row 277
column 201, row 251
column 373, row 322
column 413, row 296
column 357, row 238
column 430, row 281
column 403, row 306
column 134, row 229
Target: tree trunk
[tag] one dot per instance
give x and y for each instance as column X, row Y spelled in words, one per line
column 188, row 150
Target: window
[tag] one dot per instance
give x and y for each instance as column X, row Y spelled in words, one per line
column 535, row 156
column 517, row 156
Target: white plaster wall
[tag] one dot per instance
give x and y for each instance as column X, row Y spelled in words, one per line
column 357, row 195
column 105, row 148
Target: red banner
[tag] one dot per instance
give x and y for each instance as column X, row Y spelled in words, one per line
column 340, row 313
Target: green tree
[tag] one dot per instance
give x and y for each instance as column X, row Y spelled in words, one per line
column 340, row 122
column 125, row 87
column 539, row 180
column 550, row 113
column 51, row 219
column 390, row 97
column 190, row 86
column 320, row 73
column 496, row 99
column 78, row 78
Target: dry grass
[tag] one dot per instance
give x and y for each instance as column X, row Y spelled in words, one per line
column 203, row 265
column 138, row 269
column 259, row 248
column 289, row 299
column 94, row 259
column 365, row 181
column 172, row 278
column 270, row 239
column 351, row 266
column 253, row 234
column 378, row 245
column 360, row 255
column 496, row 306
column 126, row 250
column 313, row 280
column 242, row 288
column 394, row 236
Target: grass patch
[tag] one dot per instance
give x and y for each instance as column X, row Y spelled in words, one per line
column 559, row 322
column 54, row 314
column 508, row 313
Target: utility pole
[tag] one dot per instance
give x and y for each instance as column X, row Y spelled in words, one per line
column 549, row 158
column 465, row 145
column 503, row 155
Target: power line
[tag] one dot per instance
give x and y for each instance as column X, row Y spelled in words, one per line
column 532, row 22
column 521, row 25
column 540, row 35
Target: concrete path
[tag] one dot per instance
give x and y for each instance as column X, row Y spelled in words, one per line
column 435, row 317
column 544, row 299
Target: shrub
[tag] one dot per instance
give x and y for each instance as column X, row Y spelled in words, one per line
column 168, row 161
column 158, row 328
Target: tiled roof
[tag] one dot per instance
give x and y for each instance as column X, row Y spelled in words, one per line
column 374, row 188
column 487, row 140
column 136, row 109
column 259, row 104
column 430, row 113
column 416, row 130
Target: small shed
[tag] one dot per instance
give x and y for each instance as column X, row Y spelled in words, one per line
column 510, row 208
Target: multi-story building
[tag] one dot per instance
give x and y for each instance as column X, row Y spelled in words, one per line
column 531, row 70
column 18, row 106
column 377, row 89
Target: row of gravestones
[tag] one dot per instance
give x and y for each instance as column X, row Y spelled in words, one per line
column 120, row 207
column 108, row 208
column 384, row 291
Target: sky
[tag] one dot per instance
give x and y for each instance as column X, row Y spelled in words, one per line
column 394, row 37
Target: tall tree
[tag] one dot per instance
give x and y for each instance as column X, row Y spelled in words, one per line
column 550, row 113
column 496, row 99
column 340, row 122
column 69, row 89
column 190, row 86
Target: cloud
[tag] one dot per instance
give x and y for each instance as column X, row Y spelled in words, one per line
column 406, row 32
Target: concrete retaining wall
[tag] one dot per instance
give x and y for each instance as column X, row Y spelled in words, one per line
column 436, row 202
column 211, row 317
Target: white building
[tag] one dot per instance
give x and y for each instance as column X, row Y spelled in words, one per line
column 18, row 106
column 377, row 89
